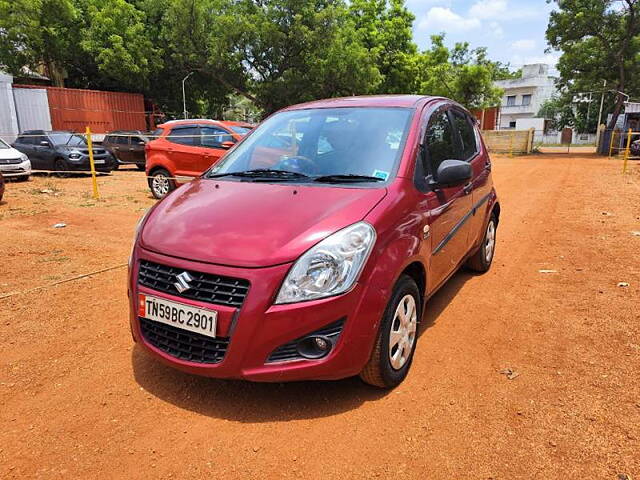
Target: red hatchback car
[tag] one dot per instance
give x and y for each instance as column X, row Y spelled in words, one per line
column 310, row 250
column 184, row 149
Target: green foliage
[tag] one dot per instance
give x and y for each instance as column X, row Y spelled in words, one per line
column 116, row 39
column 270, row 52
column 462, row 74
column 599, row 42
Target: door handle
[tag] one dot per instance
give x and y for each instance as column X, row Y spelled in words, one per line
column 467, row 188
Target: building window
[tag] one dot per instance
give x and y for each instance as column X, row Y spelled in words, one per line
column 526, row 100
column 512, row 124
column 511, row 100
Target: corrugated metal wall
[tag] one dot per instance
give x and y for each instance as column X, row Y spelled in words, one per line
column 8, row 118
column 32, row 107
column 74, row 109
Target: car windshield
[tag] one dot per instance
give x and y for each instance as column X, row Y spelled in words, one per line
column 3, row 144
column 356, row 144
column 67, row 139
column 239, row 129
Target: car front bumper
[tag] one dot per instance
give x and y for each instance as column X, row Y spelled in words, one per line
column 83, row 164
column 256, row 329
column 22, row 169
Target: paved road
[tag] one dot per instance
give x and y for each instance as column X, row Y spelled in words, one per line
column 78, row 401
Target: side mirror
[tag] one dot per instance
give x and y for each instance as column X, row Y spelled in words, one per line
column 44, row 143
column 227, row 145
column 453, row 172
column 141, row 143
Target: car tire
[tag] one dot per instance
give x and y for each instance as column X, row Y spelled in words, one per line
column 395, row 344
column 161, row 183
column 61, row 167
column 140, row 167
column 23, row 178
column 481, row 260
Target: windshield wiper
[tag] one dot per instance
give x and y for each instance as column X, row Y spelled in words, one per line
column 346, row 178
column 262, row 173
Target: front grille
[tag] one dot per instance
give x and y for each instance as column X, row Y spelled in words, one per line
column 205, row 287
column 10, row 161
column 289, row 351
column 182, row 344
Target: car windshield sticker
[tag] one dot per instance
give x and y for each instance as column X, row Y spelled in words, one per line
column 381, row 174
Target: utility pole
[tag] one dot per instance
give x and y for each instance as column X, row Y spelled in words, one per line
column 184, row 97
column 604, row 86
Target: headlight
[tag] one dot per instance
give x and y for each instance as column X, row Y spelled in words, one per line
column 74, row 155
column 23, row 157
column 331, row 267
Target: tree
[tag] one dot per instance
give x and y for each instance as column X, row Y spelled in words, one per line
column 39, row 34
column 117, row 40
column 462, row 74
column 599, row 41
column 384, row 27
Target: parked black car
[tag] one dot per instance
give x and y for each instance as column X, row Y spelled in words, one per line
column 62, row 151
column 127, row 146
column 635, row 148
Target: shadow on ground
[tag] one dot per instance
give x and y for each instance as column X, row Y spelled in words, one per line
column 249, row 402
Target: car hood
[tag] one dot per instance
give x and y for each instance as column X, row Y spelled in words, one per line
column 9, row 153
column 249, row 224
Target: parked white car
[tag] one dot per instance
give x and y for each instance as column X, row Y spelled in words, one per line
column 13, row 164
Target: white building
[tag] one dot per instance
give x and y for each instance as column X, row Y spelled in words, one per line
column 524, row 96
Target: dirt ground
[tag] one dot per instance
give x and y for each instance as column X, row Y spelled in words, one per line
column 79, row 400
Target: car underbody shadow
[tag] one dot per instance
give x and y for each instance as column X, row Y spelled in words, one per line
column 439, row 301
column 250, row 402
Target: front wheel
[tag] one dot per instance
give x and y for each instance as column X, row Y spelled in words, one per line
column 61, row 167
column 161, row 183
column 482, row 259
column 393, row 352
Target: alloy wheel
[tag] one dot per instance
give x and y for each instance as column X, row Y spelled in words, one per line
column 160, row 184
column 403, row 332
column 490, row 241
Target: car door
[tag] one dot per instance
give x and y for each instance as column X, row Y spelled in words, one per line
column 118, row 144
column 446, row 208
column 478, row 157
column 212, row 140
column 184, row 150
column 136, row 149
column 42, row 156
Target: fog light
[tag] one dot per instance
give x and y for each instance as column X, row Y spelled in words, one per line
column 315, row 346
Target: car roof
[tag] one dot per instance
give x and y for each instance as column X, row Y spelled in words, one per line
column 45, row 132
column 188, row 121
column 381, row 101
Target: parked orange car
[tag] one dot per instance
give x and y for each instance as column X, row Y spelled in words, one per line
column 184, row 149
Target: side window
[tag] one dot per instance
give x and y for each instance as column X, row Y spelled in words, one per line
column 41, row 138
column 185, row 135
column 122, row 140
column 213, row 137
column 439, row 140
column 25, row 140
column 135, row 140
column 467, row 135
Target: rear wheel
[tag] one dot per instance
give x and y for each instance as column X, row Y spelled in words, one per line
column 161, row 183
column 482, row 259
column 61, row 167
column 393, row 351
column 140, row 167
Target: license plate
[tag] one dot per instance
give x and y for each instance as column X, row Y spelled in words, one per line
column 179, row 315
column 98, row 162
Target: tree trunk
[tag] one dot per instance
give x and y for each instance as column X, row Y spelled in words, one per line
column 56, row 74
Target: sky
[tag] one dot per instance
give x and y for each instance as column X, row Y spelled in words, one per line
column 512, row 30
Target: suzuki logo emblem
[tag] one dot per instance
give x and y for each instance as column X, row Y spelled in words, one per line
column 182, row 283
